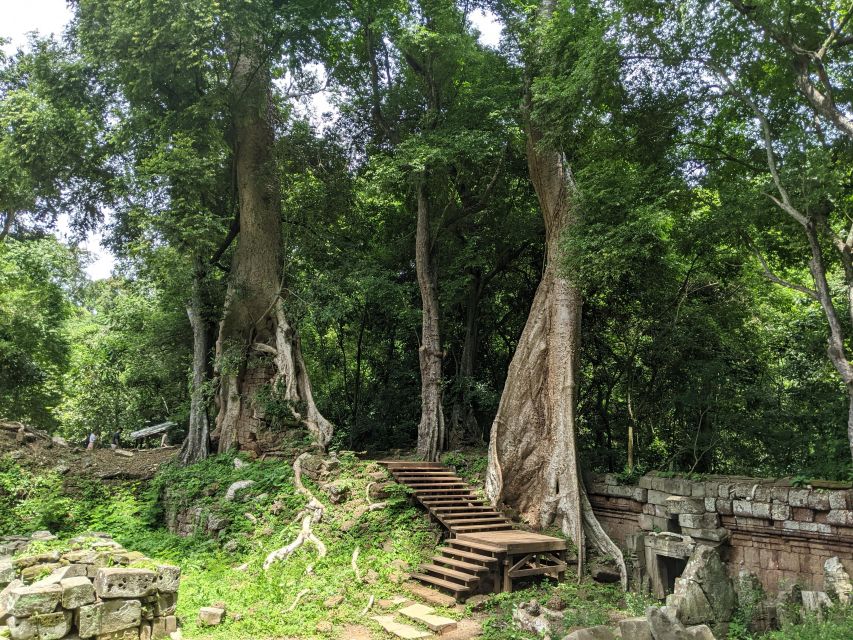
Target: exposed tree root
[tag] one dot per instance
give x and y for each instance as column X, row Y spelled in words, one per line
column 354, row 564
column 311, row 515
column 297, row 599
column 368, row 607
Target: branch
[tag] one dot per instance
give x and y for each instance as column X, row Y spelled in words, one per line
column 229, row 238
column 354, row 564
column 811, row 293
column 785, row 202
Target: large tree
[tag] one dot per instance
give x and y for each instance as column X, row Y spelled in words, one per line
column 533, row 453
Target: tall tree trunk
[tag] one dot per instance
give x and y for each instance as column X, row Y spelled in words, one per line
column 533, row 465
column 257, row 348
column 463, row 422
column 431, row 427
column 196, row 447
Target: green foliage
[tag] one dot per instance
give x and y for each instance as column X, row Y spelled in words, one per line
column 588, row 604
column 833, row 625
column 39, row 282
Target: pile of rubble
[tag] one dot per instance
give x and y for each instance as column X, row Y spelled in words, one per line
column 91, row 588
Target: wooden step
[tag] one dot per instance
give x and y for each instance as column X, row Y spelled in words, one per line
column 459, row 564
column 463, row 514
column 474, row 528
column 495, row 519
column 424, row 479
column 432, row 484
column 462, row 509
column 444, row 584
column 471, row 544
column 459, row 576
column 414, row 475
column 468, row 555
column 461, row 502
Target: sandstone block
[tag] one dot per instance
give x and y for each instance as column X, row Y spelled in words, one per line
column 22, row 628
column 799, row 497
column 779, row 494
column 592, row 633
column 724, row 507
column 636, row 629
column 22, row 562
column 779, row 511
column 38, row 571
column 109, row 616
column 165, row 604
column 840, row 517
column 651, row 523
column 818, row 500
column 717, row 534
column 697, row 490
column 657, row 497
column 703, row 521
column 837, row 499
column 114, row 582
column 210, row 616
column 76, row 592
column 7, row 571
column 802, row 514
column 124, row 634
column 700, row 632
column 168, row 578
column 742, row 508
column 53, row 626
column 171, row 624
column 724, row 490
column 677, row 486
column 125, row 558
column 60, row 574
column 710, row 504
column 23, row 602
column 646, row 482
column 158, row 629
column 680, row 504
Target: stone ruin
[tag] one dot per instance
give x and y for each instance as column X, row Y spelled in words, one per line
column 707, row 545
column 92, row 588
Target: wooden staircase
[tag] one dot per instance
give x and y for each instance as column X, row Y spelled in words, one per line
column 462, row 567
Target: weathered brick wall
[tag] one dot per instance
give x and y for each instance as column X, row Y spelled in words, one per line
column 782, row 534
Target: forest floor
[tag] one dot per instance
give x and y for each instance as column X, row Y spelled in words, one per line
column 40, row 452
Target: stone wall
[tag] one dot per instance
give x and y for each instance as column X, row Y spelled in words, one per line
column 89, row 588
column 781, row 533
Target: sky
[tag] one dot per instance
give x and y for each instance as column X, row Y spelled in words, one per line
column 18, row 18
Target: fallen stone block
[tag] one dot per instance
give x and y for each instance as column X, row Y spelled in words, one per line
column 76, row 592
column 696, row 521
column 22, row 628
column 426, row 616
column 60, row 574
column 23, row 602
column 405, row 631
column 635, row 629
column 837, row 580
column 115, row 582
column 210, row 616
column 593, row 633
column 168, row 578
column 108, row 617
column 53, row 626
column 700, row 632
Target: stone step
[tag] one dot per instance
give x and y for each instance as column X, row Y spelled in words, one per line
column 426, row 616
column 405, row 631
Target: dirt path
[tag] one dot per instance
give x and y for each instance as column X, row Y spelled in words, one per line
column 36, row 451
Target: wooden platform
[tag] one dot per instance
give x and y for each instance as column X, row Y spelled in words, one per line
column 484, row 553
